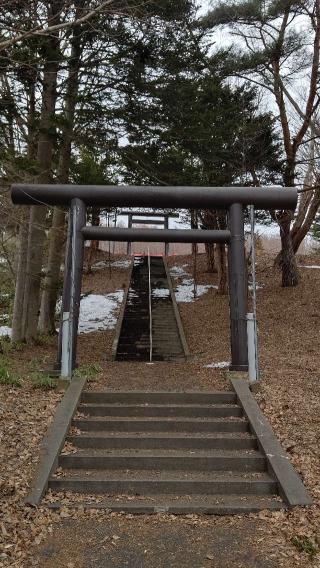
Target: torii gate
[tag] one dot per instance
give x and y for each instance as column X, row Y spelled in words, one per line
column 78, row 197
column 161, row 218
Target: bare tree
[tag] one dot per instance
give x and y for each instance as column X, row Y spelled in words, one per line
column 273, row 53
column 57, row 231
column 38, row 214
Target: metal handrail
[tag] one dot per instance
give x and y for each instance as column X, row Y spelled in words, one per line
column 150, row 308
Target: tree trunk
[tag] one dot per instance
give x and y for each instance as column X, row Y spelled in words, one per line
column 303, row 230
column 93, row 244
column 57, row 237
column 290, row 276
column 51, row 283
column 211, row 267
column 286, row 259
column 18, row 328
column 309, row 200
column 210, row 222
column 38, row 214
column 221, row 261
column 21, row 265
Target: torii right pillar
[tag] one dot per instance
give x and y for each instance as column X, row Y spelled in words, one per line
column 237, row 290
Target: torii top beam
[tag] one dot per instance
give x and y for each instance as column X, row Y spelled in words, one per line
column 179, row 197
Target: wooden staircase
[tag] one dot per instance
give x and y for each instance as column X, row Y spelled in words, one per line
column 149, row 302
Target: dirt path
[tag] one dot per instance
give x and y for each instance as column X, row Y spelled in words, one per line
column 119, row 542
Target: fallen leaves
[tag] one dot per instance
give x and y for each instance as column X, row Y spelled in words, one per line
column 289, row 396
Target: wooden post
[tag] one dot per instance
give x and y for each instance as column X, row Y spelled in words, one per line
column 65, row 302
column 166, row 226
column 72, row 292
column 237, row 290
column 78, row 222
column 129, row 244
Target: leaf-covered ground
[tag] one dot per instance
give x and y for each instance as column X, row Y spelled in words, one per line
column 289, row 325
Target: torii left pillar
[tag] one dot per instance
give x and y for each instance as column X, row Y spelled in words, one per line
column 237, row 290
column 72, row 288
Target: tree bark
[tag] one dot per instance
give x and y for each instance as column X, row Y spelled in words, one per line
column 51, row 283
column 21, row 254
column 57, row 236
column 93, row 244
column 309, row 200
column 288, row 263
column 18, row 330
column 211, row 266
column 299, row 234
column 221, row 262
column 37, row 225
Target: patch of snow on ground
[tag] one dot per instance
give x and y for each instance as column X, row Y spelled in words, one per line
column 309, row 266
column 219, row 365
column 178, row 271
column 160, row 293
column 121, row 263
column 99, row 311
column 5, row 331
column 184, row 292
column 115, row 264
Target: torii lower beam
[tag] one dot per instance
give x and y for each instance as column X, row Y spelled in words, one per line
column 155, row 235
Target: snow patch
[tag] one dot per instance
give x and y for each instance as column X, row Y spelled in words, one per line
column 99, row 311
column 184, row 292
column 309, row 266
column 219, row 365
column 5, row 331
column 121, row 263
column 178, row 271
column 160, row 293
column 115, row 264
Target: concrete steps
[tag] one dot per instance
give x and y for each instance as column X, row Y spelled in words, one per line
column 179, row 452
column 155, row 441
column 177, row 505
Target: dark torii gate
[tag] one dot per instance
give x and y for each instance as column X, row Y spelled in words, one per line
column 161, row 218
column 78, row 197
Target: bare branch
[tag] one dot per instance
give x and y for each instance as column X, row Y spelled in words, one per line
column 50, row 29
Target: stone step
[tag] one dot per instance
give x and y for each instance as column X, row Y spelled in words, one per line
column 162, row 424
column 178, row 483
column 179, row 505
column 218, row 441
column 222, row 461
column 160, row 397
column 145, row 410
